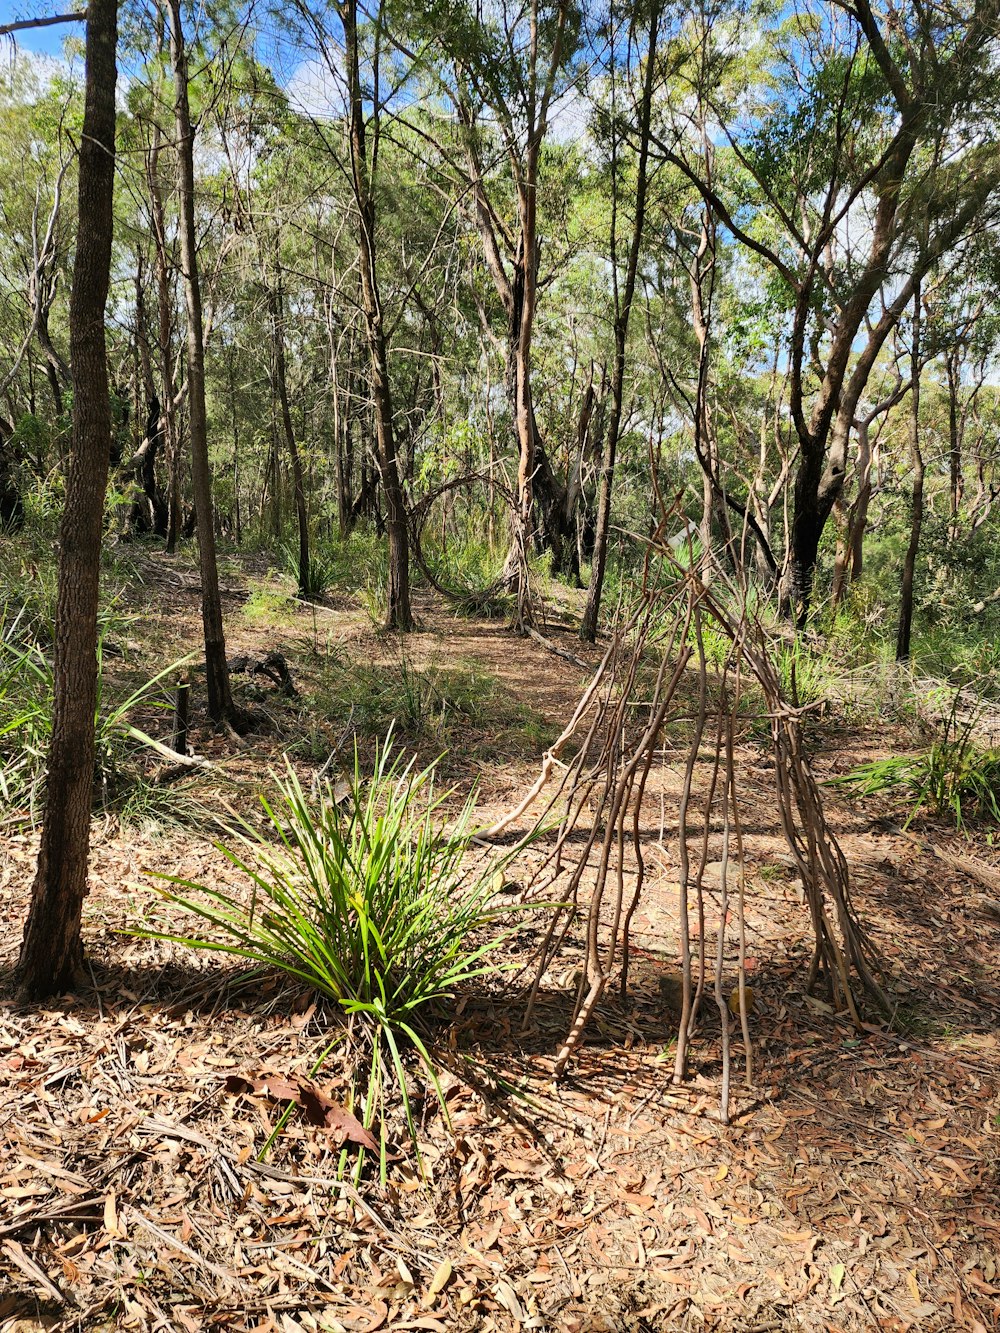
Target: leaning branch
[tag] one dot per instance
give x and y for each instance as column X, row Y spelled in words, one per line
column 7, row 28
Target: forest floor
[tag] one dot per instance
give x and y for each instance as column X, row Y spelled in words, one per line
column 857, row 1187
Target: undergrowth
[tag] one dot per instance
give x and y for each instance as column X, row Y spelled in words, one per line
column 369, row 895
column 953, row 778
column 121, row 784
column 427, row 702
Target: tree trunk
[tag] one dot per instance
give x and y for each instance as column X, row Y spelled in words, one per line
column 853, row 519
column 570, row 563
column 298, row 484
column 955, row 441
column 916, row 495
column 842, row 521
column 623, row 309
column 237, row 508
column 51, row 952
column 398, row 615
column 220, row 699
column 166, row 351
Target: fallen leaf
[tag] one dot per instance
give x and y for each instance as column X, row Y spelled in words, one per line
column 318, row 1109
column 440, row 1279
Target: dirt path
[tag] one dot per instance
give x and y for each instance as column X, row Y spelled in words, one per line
column 856, row 1189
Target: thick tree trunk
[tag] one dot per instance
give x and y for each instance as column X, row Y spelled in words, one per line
column 51, row 952
column 220, row 699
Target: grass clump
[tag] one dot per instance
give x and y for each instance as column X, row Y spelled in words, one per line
column 366, row 894
column 953, row 778
column 26, row 708
column 324, row 572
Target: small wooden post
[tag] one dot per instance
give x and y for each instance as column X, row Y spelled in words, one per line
column 179, row 741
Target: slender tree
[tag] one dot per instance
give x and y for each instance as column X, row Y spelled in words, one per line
column 916, row 491
column 220, row 699
column 398, row 614
column 281, row 386
column 623, row 295
column 51, row 952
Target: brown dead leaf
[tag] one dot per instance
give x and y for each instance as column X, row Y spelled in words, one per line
column 318, row 1109
column 440, row 1279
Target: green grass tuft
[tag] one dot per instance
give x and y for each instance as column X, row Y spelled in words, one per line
column 372, row 899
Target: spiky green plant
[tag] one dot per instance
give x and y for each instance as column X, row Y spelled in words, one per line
column 371, row 897
column 953, row 777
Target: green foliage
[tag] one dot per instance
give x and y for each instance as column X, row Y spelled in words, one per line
column 804, row 674
column 324, row 568
column 368, row 897
column 26, row 705
column 468, row 565
column 429, row 702
column 953, row 777
column 357, row 564
column 265, row 603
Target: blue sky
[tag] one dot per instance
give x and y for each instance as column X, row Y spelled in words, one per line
column 48, row 41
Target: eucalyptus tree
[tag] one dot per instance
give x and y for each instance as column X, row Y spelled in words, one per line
column 220, row 699
column 37, row 170
column 51, row 951
column 918, row 473
column 642, row 52
column 860, row 156
column 152, row 179
column 504, row 68
column 41, row 115
column 352, row 45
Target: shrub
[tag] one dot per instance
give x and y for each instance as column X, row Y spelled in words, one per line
column 369, row 899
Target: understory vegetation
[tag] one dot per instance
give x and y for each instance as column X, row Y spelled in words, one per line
column 499, row 658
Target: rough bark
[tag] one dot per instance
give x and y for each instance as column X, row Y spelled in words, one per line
column 220, row 700
column 51, row 951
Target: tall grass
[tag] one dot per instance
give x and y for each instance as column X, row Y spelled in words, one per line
column 954, row 777
column 26, row 708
